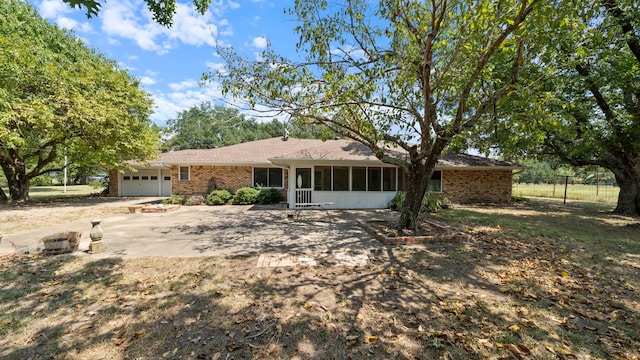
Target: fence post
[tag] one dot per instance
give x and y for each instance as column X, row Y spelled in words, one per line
column 566, row 183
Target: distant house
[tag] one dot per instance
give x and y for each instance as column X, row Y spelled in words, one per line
column 343, row 173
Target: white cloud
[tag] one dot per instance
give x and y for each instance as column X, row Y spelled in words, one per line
column 52, row 9
column 186, row 94
column 187, row 84
column 192, row 28
column 66, row 23
column 260, row 42
column 147, row 80
column 56, row 11
column 121, row 20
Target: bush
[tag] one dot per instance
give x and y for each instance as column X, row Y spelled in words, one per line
column 519, row 199
column 433, row 204
column 398, row 200
column 219, row 197
column 195, row 200
column 42, row 180
column 246, row 196
column 174, row 200
column 430, row 203
column 270, row 196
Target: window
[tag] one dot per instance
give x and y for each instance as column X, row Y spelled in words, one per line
column 322, row 178
column 268, row 177
column 153, row 177
column 135, row 177
column 126, row 178
column 167, row 178
column 435, row 183
column 358, row 179
column 145, row 178
column 388, row 179
column 184, row 173
column 340, row 178
column 374, row 179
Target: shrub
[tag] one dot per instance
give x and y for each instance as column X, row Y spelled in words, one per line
column 219, row 197
column 195, row 200
column 433, row 204
column 270, row 196
column 246, row 195
column 42, row 180
column 519, row 199
column 174, row 200
column 430, row 203
column 398, row 200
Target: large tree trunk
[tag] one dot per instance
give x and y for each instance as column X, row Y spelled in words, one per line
column 417, row 176
column 18, row 181
column 629, row 196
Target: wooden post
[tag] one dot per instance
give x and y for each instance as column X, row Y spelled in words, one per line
column 566, row 183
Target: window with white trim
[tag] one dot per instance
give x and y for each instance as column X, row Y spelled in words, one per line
column 183, row 173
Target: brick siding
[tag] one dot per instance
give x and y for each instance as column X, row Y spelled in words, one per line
column 473, row 186
column 227, row 177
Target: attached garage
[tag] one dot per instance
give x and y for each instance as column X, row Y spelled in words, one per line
column 145, row 182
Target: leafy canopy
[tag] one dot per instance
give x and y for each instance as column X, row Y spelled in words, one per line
column 60, row 98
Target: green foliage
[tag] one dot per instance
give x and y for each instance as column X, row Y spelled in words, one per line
column 579, row 100
column 56, row 95
column 432, row 203
column 42, row 180
column 174, row 200
column 398, row 200
column 162, row 11
column 245, row 196
column 219, row 197
column 269, row 196
column 392, row 74
column 208, row 126
column 97, row 184
column 195, row 200
column 519, row 199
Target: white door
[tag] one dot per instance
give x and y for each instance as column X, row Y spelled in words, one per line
column 141, row 183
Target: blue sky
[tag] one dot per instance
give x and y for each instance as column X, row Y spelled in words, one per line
column 170, row 61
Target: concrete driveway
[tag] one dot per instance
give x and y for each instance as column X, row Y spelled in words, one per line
column 231, row 230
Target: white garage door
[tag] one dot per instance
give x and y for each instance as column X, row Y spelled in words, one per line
column 146, row 183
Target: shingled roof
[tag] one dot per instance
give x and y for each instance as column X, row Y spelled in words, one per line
column 279, row 150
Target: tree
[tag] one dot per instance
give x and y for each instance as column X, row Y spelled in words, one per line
column 208, row 126
column 582, row 99
column 408, row 75
column 59, row 98
column 162, row 10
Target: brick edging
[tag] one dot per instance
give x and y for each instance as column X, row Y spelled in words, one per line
column 407, row 240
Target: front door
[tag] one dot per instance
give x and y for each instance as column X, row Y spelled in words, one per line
column 303, row 186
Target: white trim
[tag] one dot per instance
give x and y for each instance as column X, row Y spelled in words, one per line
column 188, row 173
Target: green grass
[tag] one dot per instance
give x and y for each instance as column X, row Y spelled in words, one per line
column 57, row 192
column 602, row 193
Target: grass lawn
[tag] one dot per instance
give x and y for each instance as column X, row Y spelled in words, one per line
column 582, row 192
column 538, row 280
column 57, row 192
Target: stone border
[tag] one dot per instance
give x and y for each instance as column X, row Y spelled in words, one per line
column 409, row 240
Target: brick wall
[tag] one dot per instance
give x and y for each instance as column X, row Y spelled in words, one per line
column 227, row 177
column 468, row 186
column 113, row 183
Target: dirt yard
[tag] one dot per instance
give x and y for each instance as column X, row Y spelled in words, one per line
column 539, row 281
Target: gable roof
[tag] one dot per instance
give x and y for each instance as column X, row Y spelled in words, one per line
column 281, row 151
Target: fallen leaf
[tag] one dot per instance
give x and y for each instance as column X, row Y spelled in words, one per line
column 514, row 327
column 6, row 323
column 351, row 337
column 372, row 338
column 308, row 305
